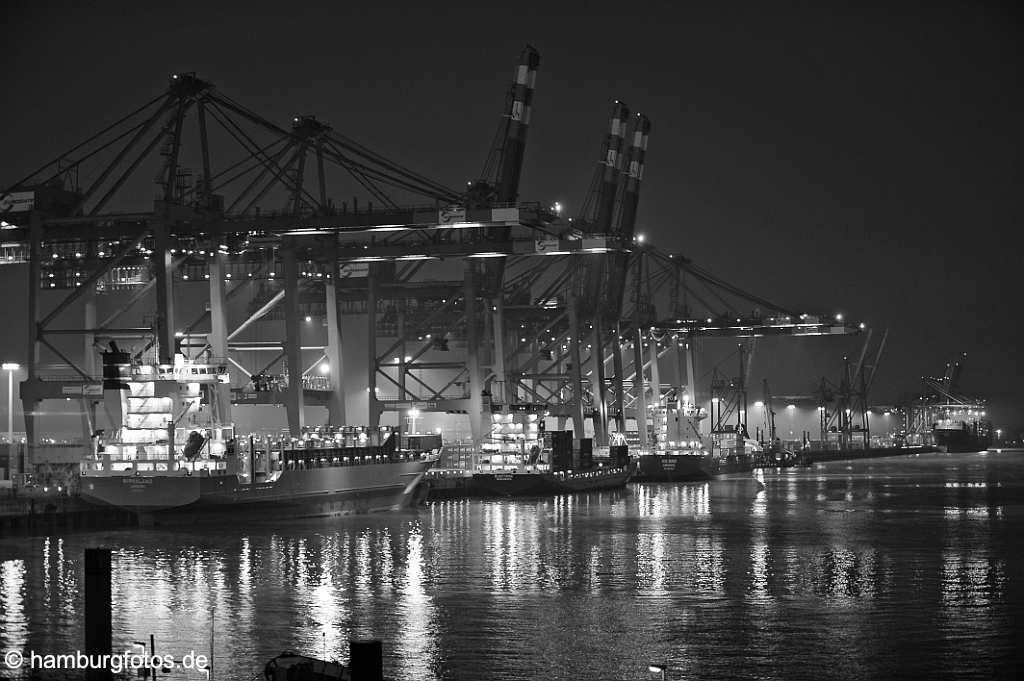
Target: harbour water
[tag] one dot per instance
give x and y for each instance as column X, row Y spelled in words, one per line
column 907, row 567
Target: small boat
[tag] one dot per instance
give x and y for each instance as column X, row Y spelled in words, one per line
column 289, row 666
column 365, row 662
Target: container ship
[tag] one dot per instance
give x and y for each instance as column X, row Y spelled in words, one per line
column 681, row 454
column 685, row 463
column 690, row 461
column 956, row 422
column 169, row 457
column 962, row 428
column 520, row 459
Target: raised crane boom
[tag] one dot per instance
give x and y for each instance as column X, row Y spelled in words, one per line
column 599, row 206
column 634, row 174
column 630, row 179
column 606, row 179
column 510, row 165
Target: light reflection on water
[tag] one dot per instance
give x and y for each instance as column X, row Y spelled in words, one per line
column 907, row 567
column 14, row 627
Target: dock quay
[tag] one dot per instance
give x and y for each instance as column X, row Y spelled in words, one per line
column 810, row 457
column 45, row 514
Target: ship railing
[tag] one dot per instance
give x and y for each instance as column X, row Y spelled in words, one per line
column 69, row 379
column 589, row 473
column 422, row 396
column 675, row 449
column 600, row 469
column 374, row 437
column 305, row 462
column 512, row 468
column 200, row 465
column 138, row 467
column 122, row 467
column 193, row 371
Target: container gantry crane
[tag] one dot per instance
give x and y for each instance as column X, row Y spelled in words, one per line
column 843, row 406
column 254, row 237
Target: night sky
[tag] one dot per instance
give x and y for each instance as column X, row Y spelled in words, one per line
column 835, row 160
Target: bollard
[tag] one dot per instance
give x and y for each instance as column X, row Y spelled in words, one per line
column 366, row 660
column 97, row 609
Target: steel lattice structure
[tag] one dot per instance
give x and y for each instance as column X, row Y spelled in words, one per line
column 470, row 300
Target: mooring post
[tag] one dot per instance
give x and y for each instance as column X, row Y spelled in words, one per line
column 366, row 660
column 97, row 610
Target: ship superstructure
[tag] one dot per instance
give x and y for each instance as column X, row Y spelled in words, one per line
column 168, row 455
column 162, row 418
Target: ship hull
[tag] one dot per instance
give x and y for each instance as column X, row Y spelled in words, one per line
column 546, row 484
column 675, row 468
column 952, row 441
column 338, row 490
column 735, row 464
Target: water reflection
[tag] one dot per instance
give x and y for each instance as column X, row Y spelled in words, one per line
column 15, row 626
column 416, row 648
column 723, row 580
column 760, row 559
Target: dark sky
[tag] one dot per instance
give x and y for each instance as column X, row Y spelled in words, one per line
column 832, row 159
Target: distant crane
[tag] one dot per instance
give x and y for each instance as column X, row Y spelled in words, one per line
column 843, row 407
column 728, row 401
column 767, row 434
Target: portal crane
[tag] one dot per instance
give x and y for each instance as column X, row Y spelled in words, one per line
column 728, row 400
column 598, row 208
column 843, row 407
column 308, row 257
column 948, row 386
column 594, row 307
